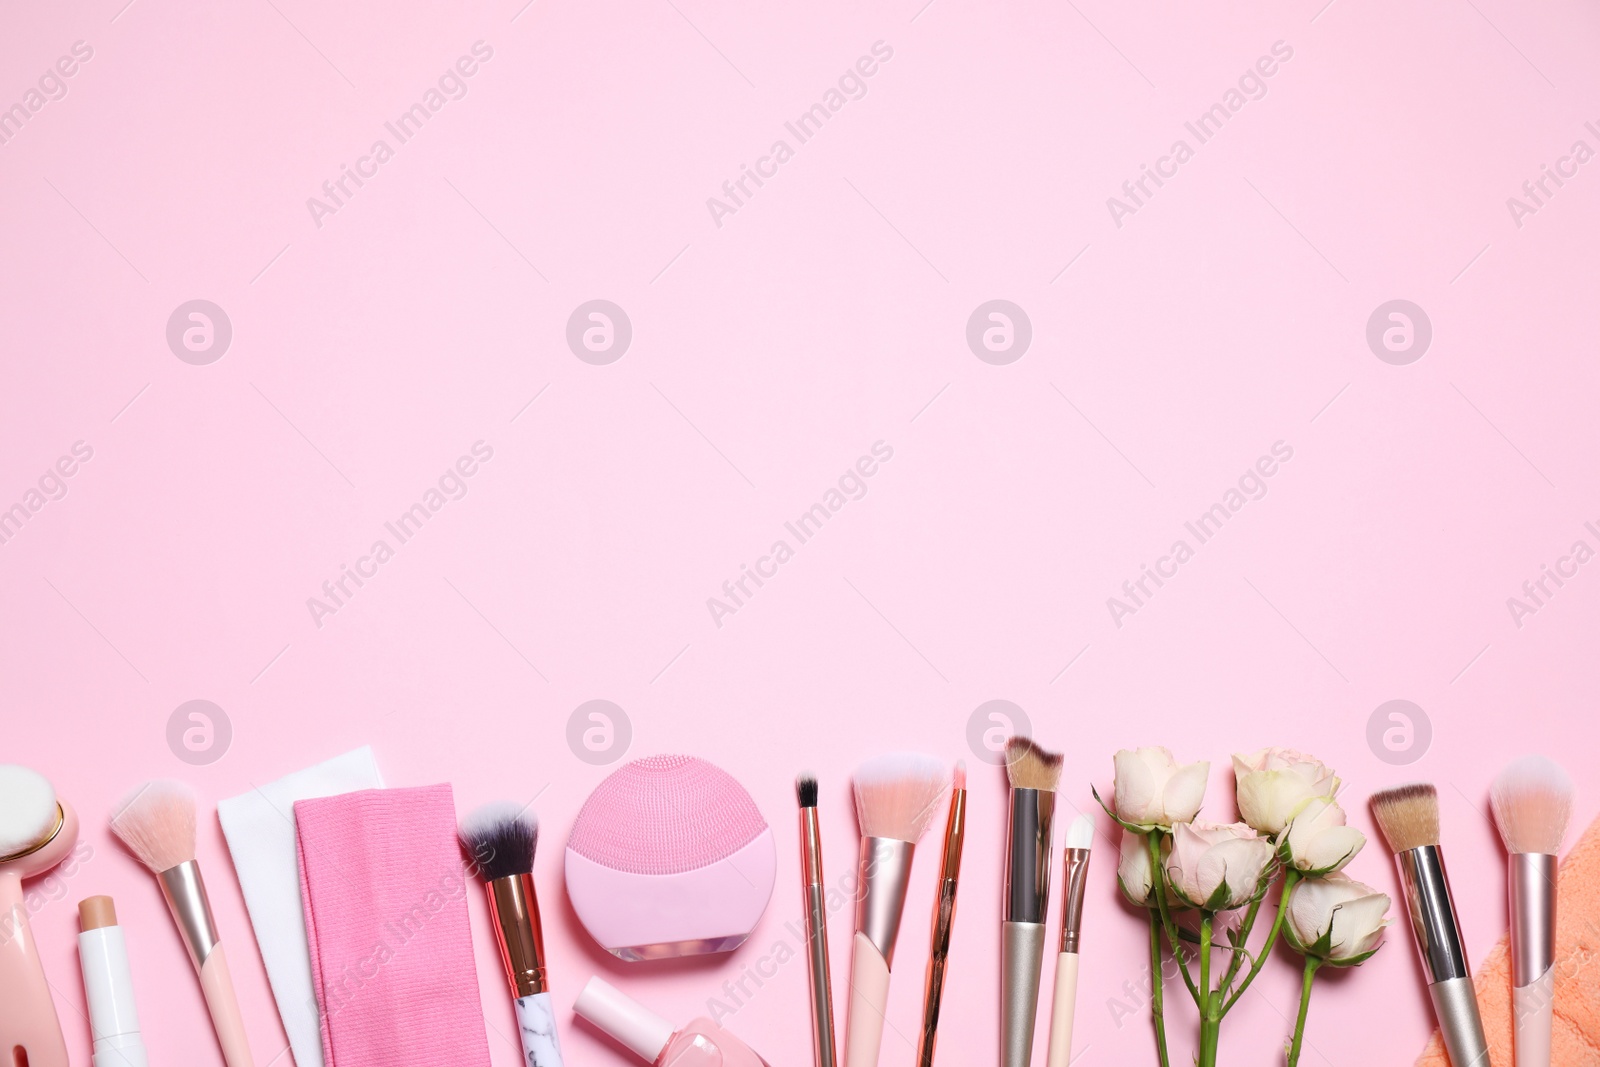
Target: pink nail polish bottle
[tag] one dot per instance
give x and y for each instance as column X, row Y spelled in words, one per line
column 701, row 1042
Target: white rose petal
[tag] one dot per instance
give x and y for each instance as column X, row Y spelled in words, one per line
column 1356, row 913
column 1152, row 789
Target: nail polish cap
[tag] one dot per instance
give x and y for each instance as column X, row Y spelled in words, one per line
column 624, row 1018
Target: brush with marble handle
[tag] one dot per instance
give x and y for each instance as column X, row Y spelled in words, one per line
column 1532, row 802
column 500, row 839
column 157, row 823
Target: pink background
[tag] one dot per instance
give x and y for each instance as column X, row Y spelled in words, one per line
column 828, row 313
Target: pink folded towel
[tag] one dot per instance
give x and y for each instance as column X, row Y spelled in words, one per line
column 384, row 890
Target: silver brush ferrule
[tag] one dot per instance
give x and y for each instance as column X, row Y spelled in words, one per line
column 1434, row 925
column 884, row 874
column 1531, row 889
column 1028, row 829
column 1075, row 872
column 186, row 897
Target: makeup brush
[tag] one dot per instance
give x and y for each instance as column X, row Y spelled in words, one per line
column 157, row 823
column 501, row 839
column 944, row 915
column 896, row 797
column 1532, row 801
column 1408, row 815
column 1034, row 775
column 1075, row 870
column 823, row 1047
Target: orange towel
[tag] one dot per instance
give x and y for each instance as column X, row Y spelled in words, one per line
column 1577, row 1009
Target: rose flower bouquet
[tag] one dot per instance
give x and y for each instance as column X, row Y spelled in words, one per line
column 1201, row 882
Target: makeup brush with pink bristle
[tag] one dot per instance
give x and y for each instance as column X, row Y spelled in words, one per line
column 897, row 796
column 157, row 823
column 1532, row 802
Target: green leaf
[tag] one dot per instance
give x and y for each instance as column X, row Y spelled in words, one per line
column 1131, row 827
column 1355, row 961
column 1218, row 901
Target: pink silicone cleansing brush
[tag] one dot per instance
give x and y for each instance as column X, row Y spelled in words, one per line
column 669, row 857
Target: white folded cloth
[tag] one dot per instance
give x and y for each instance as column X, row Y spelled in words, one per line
column 259, row 826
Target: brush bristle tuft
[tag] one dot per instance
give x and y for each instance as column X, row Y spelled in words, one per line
column 1081, row 833
column 897, row 794
column 1030, row 767
column 959, row 781
column 805, row 788
column 1532, row 802
column 500, row 839
column 1408, row 815
column 156, row 822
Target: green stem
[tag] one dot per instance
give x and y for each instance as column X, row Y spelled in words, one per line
column 1289, row 879
column 1312, row 963
column 1243, row 936
column 1158, row 889
column 1157, row 1011
column 1210, row 1031
column 1210, row 999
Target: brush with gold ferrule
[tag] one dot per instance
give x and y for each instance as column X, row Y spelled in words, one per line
column 823, row 1046
column 501, row 840
column 944, row 915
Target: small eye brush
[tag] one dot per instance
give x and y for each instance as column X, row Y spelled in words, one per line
column 823, row 1046
column 1075, row 874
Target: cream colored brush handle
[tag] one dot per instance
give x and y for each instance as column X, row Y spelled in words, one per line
column 1065, row 1003
column 1533, row 1005
column 869, row 999
column 217, row 984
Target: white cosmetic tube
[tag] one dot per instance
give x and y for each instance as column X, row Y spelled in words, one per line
column 108, row 985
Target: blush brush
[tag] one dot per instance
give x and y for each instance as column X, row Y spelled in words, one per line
column 897, row 796
column 157, row 823
column 1532, row 801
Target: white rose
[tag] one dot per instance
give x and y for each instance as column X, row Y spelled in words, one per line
column 1133, row 869
column 1151, row 789
column 1318, row 841
column 1352, row 911
column 1274, row 783
column 1217, row 866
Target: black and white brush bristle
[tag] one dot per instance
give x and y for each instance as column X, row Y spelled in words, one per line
column 500, row 839
column 805, row 789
